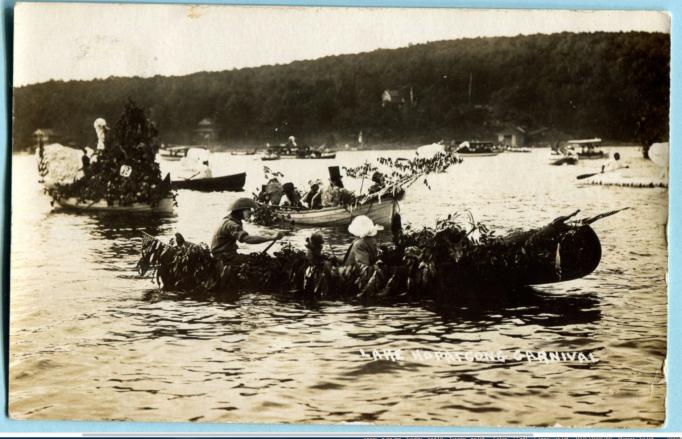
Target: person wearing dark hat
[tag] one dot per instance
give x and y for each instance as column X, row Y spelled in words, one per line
column 231, row 231
column 275, row 191
column 290, row 196
column 331, row 196
column 313, row 198
column 313, row 245
column 379, row 182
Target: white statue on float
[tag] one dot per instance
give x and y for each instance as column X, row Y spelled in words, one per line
column 59, row 164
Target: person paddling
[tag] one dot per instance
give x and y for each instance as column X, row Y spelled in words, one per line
column 231, row 231
column 364, row 249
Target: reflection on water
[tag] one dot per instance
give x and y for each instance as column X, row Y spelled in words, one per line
column 91, row 340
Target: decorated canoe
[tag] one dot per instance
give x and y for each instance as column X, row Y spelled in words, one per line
column 441, row 262
column 164, row 206
column 233, row 182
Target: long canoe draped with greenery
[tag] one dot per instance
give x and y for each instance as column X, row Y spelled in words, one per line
column 426, row 263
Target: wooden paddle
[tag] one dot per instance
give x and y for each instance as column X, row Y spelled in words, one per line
column 270, row 245
column 583, row 176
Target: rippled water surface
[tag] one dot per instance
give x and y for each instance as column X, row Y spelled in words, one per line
column 91, row 340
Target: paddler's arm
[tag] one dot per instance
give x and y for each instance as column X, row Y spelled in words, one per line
column 249, row 239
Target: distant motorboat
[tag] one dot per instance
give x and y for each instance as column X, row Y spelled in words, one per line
column 321, row 155
column 518, row 149
column 243, row 152
column 173, row 153
column 270, row 156
column 478, row 149
column 590, row 148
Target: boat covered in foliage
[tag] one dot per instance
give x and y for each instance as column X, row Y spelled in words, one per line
column 428, row 263
column 121, row 175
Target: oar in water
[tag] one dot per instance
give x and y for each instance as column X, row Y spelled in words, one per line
column 583, row 176
column 270, row 245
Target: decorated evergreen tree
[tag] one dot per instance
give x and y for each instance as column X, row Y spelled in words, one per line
column 123, row 170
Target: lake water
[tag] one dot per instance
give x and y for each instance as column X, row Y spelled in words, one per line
column 90, row 340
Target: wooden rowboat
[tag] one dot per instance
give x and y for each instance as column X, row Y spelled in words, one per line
column 165, row 206
column 381, row 212
column 479, row 154
column 233, row 182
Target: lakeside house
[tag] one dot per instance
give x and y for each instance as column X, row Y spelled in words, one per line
column 398, row 97
column 45, row 135
column 514, row 137
column 206, row 131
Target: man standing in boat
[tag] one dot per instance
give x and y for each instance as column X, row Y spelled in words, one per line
column 231, row 231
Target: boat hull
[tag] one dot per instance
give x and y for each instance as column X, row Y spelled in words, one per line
column 380, row 212
column 321, row 157
column 165, row 206
column 215, row 184
column 478, row 154
column 595, row 156
column 563, row 161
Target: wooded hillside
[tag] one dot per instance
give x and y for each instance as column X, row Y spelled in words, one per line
column 610, row 85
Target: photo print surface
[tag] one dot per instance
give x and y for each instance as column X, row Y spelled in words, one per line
column 431, row 217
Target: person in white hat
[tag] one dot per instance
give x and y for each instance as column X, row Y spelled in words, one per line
column 364, row 249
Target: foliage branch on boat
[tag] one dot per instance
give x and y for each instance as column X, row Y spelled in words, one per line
column 396, row 175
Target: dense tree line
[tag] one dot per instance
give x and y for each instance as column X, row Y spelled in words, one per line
column 612, row 85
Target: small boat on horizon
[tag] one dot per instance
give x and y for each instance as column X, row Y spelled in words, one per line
column 590, row 149
column 475, row 148
column 173, row 153
column 518, row 149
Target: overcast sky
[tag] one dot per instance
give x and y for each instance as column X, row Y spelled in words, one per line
column 86, row 41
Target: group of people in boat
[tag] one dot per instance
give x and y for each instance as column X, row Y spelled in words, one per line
column 230, row 233
column 318, row 195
